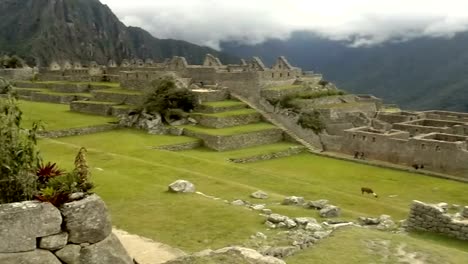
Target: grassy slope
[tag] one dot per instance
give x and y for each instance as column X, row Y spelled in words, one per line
column 230, row 130
column 57, row 116
column 134, row 179
column 351, row 245
column 225, row 103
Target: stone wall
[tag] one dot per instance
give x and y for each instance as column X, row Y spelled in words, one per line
column 227, row 121
column 237, row 141
column 17, row 74
column 274, row 155
column 434, row 218
column 397, row 147
column 56, row 98
column 79, row 232
column 181, row 146
column 133, row 99
column 90, row 107
column 77, row 131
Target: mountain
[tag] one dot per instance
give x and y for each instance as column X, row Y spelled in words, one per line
column 423, row 73
column 85, row 30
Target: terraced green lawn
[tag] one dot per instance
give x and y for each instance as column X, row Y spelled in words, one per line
column 132, row 178
column 110, row 84
column 230, row 130
column 67, row 94
column 120, row 91
column 58, row 116
column 226, row 103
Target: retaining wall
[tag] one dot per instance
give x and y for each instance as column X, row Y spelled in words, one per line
column 227, row 121
column 433, row 218
column 77, row 131
column 79, row 232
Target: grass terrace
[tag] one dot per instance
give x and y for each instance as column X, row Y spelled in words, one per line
column 230, row 130
column 120, row 91
column 58, row 116
column 68, row 82
column 226, row 103
column 231, row 113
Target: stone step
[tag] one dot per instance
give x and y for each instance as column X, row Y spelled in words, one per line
column 58, row 98
column 235, row 137
column 119, row 96
column 210, row 95
column 220, row 106
column 92, row 107
column 228, row 119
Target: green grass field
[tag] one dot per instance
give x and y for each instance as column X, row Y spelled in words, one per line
column 132, row 177
column 230, row 130
column 225, row 103
column 68, row 82
column 58, row 116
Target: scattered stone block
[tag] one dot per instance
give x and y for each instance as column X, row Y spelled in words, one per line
column 238, row 203
column 276, row 218
column 70, row 254
column 182, row 186
column 330, row 211
column 259, row 195
column 318, row 205
column 293, row 200
column 87, row 220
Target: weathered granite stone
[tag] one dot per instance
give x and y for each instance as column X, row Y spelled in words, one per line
column 70, row 254
column 465, row 212
column 305, row 220
column 87, row 220
column 108, row 251
column 238, row 203
column 259, row 195
column 368, row 220
column 258, row 207
column 293, row 200
column 313, row 227
column 318, row 205
column 281, row 252
column 330, row 211
column 276, row 218
column 270, row 225
column 37, row 256
column 267, row 211
column 54, row 242
column 21, row 223
column 290, row 223
column 182, row 186
column 322, row 234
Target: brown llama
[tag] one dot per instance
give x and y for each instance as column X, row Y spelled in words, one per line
column 368, row 190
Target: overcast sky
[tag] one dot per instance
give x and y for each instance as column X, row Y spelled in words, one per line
column 207, row 22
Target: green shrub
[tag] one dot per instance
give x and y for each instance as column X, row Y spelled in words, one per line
column 164, row 96
column 311, row 120
column 18, row 154
column 319, row 94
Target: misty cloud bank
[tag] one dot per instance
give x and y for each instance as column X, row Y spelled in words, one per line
column 365, row 22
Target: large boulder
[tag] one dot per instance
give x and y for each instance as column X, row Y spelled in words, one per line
column 182, row 186
column 259, row 195
column 87, row 220
column 330, row 211
column 32, row 257
column 22, row 223
column 293, row 200
column 318, row 205
column 108, row 251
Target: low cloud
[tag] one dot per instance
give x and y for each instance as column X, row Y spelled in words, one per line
column 365, row 22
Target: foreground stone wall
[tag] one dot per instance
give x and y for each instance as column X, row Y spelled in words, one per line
column 227, row 121
column 77, row 131
column 434, row 218
column 79, row 232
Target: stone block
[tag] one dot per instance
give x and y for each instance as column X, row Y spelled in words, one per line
column 54, row 242
column 21, row 223
column 108, row 251
column 70, row 254
column 86, row 220
column 32, row 257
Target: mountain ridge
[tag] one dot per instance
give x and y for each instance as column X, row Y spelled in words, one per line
column 84, row 30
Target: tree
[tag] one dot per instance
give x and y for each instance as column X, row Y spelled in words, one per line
column 311, row 120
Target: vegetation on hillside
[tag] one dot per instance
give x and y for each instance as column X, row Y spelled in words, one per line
column 165, row 98
column 23, row 175
column 12, row 62
column 311, row 120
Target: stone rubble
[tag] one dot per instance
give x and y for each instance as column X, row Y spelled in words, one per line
column 182, row 186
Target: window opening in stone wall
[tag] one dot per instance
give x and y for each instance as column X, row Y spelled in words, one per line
column 281, row 75
column 363, row 137
column 272, row 75
column 373, row 139
column 354, row 136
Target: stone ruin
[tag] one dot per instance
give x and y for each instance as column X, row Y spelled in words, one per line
column 78, row 232
column 435, row 218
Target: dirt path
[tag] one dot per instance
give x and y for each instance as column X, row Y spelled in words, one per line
column 145, row 250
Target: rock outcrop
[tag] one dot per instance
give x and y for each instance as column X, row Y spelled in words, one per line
column 182, row 186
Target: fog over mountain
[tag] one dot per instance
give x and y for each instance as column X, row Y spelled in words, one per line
column 362, row 22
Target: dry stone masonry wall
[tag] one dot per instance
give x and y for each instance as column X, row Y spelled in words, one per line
column 80, row 232
column 434, row 218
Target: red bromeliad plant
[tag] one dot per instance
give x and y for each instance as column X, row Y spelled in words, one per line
column 47, row 172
